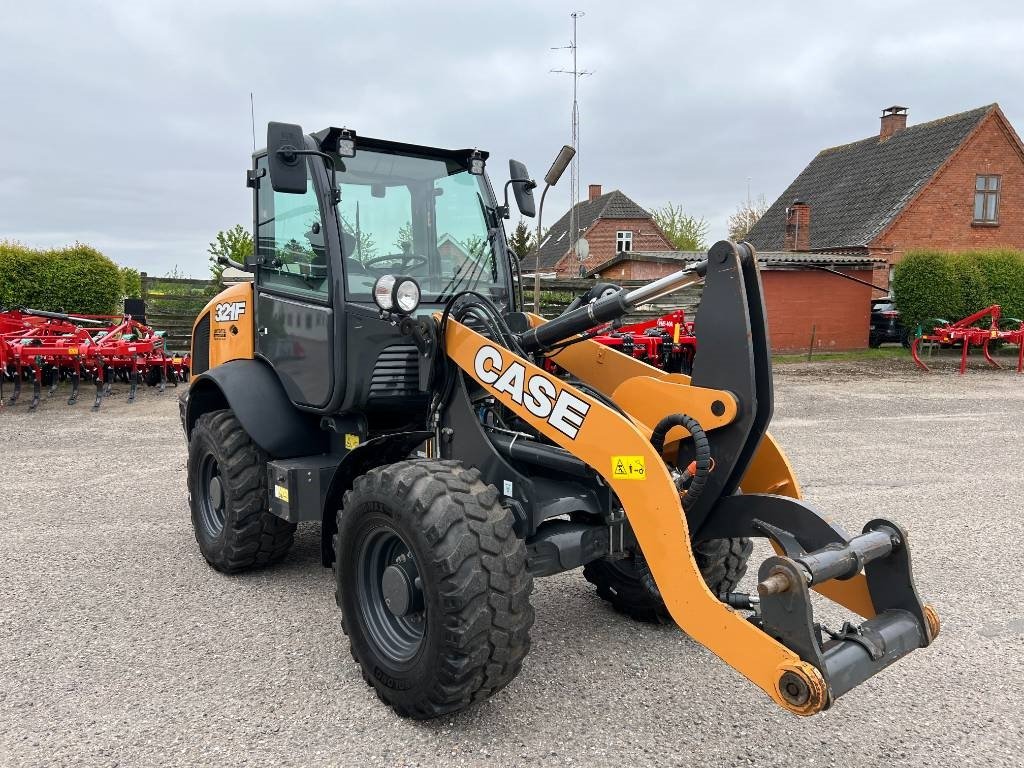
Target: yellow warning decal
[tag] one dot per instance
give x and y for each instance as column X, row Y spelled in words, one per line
column 629, row 468
column 72, row 350
column 281, row 492
column 351, row 441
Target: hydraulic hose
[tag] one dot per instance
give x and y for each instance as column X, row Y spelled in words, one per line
column 702, row 449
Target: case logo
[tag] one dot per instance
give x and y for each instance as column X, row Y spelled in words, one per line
column 536, row 392
column 229, row 311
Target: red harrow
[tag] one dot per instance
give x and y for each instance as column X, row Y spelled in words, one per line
column 666, row 342
column 36, row 345
column 968, row 334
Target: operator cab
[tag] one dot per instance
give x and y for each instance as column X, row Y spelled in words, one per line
column 334, row 213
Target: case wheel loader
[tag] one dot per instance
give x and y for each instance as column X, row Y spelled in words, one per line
column 380, row 377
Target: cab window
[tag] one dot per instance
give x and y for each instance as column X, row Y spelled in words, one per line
column 290, row 245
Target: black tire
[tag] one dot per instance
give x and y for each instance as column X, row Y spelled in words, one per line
column 471, row 632
column 874, row 342
column 232, row 525
column 629, row 586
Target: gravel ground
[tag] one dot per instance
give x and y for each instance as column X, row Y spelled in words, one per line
column 119, row 646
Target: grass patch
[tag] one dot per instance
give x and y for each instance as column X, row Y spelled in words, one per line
column 882, row 353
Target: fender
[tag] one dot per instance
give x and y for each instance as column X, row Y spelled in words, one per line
column 386, row 449
column 252, row 390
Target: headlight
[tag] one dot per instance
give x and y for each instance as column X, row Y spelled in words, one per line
column 396, row 294
column 406, row 295
column 382, row 292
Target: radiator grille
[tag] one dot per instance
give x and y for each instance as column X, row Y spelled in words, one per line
column 201, row 345
column 395, row 374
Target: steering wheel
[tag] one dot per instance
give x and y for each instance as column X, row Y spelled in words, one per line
column 408, row 260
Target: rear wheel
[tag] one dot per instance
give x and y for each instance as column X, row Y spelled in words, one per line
column 227, row 483
column 433, row 586
column 629, row 585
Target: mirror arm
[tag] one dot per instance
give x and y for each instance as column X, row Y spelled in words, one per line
column 335, row 192
column 502, row 210
column 228, row 262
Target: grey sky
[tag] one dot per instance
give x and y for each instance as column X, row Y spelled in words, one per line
column 126, row 124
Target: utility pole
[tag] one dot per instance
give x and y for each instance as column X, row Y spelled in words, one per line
column 574, row 175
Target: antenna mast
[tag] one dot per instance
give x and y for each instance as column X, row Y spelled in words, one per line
column 252, row 116
column 574, row 175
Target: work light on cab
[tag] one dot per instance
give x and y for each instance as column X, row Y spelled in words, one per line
column 396, row 294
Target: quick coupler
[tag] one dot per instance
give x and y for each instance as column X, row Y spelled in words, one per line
column 848, row 656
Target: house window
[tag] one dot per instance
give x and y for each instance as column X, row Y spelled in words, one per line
column 986, row 200
column 623, row 241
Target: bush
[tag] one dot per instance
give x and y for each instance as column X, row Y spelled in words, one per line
column 75, row 279
column 938, row 284
column 131, row 283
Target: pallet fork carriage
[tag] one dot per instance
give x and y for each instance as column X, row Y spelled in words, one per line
column 456, row 463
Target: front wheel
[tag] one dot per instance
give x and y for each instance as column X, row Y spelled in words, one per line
column 227, row 489
column 433, row 586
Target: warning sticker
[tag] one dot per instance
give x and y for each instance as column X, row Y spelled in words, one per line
column 281, row 493
column 351, row 441
column 628, row 468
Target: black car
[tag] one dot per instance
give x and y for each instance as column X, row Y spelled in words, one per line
column 885, row 324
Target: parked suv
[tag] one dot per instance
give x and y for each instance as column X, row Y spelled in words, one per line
column 885, row 324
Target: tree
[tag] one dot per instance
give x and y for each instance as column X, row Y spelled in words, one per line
column 404, row 240
column 362, row 243
column 234, row 243
column 746, row 216
column 521, row 243
column 685, row 233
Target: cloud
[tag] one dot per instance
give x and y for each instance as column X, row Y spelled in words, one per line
column 127, row 124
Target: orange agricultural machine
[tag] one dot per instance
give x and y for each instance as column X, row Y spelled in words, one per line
column 380, row 378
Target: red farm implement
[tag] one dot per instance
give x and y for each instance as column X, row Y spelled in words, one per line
column 666, row 342
column 972, row 331
column 43, row 347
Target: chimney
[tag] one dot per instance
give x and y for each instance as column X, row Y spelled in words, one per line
column 798, row 227
column 595, row 192
column 894, row 120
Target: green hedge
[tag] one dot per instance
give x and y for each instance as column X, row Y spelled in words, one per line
column 940, row 284
column 73, row 279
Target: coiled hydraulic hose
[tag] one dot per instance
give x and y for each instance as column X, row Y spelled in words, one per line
column 702, row 449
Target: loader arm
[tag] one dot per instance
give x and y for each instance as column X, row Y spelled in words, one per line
column 783, row 654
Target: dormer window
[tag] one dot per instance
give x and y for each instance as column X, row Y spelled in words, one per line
column 623, row 241
column 986, row 200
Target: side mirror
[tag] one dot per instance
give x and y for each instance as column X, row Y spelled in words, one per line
column 522, row 188
column 287, row 166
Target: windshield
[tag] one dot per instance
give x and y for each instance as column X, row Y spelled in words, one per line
column 426, row 217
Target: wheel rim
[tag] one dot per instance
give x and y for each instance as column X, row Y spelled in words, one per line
column 390, row 594
column 211, row 496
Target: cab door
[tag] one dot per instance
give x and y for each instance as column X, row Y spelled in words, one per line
column 294, row 316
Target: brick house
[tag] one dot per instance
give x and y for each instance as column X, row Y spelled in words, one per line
column 611, row 223
column 803, row 301
column 955, row 183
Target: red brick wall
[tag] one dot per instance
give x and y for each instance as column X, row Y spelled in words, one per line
column 941, row 217
column 838, row 309
column 601, row 236
column 639, row 270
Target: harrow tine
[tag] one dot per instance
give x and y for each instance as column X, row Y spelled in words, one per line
column 54, row 380
column 76, row 377
column 17, row 383
column 988, row 355
column 99, row 386
column 913, row 353
column 37, row 386
column 134, row 381
column 163, row 375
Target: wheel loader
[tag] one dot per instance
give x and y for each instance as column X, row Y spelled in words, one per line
column 380, row 377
